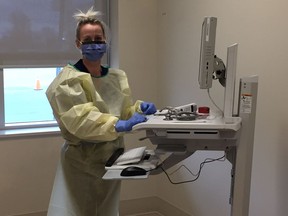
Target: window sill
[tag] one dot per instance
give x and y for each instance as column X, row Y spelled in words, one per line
column 41, row 131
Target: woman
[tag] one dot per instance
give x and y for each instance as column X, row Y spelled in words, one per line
column 93, row 107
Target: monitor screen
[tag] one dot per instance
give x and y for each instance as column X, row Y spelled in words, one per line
column 206, row 64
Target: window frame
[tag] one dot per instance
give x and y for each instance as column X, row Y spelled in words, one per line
column 22, row 125
column 2, row 110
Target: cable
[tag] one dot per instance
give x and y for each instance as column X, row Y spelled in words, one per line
column 222, row 113
column 185, row 168
column 207, row 160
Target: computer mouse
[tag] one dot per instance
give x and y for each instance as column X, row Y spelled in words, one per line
column 133, row 171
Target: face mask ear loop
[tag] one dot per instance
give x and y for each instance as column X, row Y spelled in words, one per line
column 79, row 45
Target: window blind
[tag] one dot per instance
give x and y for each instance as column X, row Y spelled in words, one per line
column 41, row 32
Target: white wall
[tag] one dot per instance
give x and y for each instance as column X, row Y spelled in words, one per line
column 27, row 167
column 259, row 26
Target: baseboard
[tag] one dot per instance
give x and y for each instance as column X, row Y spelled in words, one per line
column 137, row 206
column 44, row 213
column 149, row 204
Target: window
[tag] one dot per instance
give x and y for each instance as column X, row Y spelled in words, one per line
column 37, row 38
column 24, row 94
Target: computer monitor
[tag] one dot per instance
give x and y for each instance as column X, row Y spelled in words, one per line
column 211, row 67
column 206, row 64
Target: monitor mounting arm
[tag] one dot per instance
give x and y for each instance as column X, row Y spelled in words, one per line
column 219, row 71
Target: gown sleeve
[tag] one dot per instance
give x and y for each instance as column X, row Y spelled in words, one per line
column 74, row 104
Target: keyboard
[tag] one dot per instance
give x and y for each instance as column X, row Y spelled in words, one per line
column 131, row 156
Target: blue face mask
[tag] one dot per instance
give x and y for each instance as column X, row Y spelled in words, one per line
column 93, row 51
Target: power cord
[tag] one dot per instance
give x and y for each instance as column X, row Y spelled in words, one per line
column 222, row 113
column 197, row 175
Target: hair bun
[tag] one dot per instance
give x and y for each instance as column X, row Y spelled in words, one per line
column 91, row 14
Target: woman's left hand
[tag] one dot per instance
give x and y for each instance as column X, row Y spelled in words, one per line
column 148, row 108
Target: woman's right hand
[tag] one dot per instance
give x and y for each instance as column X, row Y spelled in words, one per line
column 126, row 125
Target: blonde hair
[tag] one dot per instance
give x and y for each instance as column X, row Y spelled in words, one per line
column 90, row 17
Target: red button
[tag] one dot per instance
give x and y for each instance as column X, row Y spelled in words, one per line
column 205, row 110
